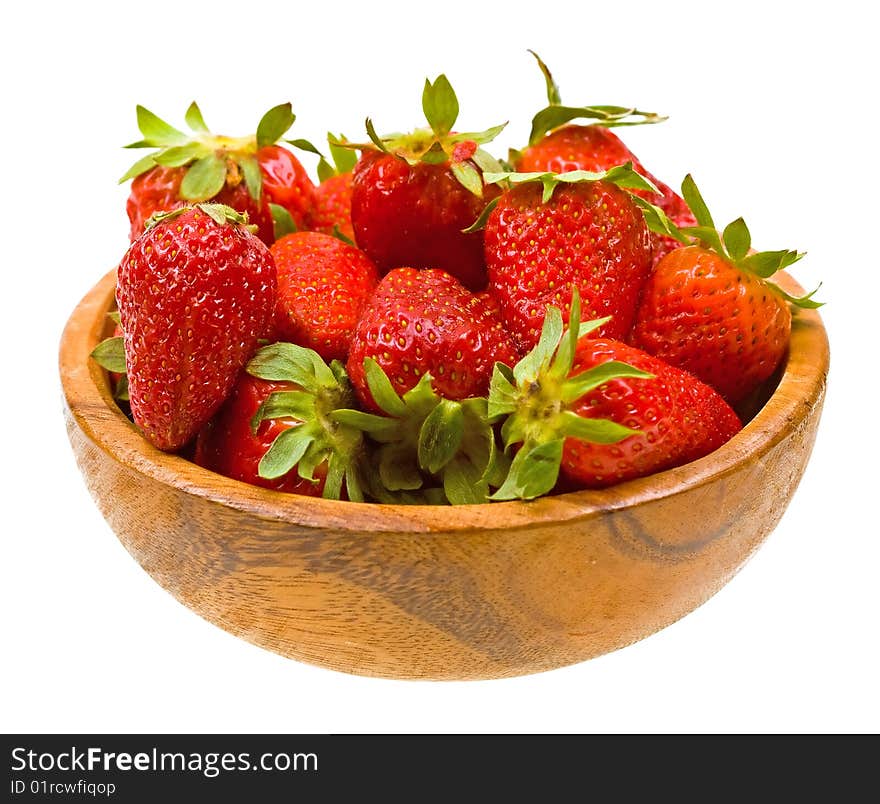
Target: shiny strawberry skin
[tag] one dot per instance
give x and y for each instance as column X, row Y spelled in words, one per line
column 724, row 325
column 323, row 285
column 590, row 236
column 596, row 148
column 286, row 183
column 421, row 321
column 331, row 207
column 413, row 215
column 228, row 445
column 194, row 296
column 158, row 190
column 680, row 418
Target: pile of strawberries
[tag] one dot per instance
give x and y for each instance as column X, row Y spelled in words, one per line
column 430, row 324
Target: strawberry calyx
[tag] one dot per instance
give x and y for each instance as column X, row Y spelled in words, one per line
column 624, row 176
column 319, row 438
column 733, row 244
column 211, row 161
column 555, row 114
column 221, row 214
column 428, row 444
column 438, row 144
column 534, row 397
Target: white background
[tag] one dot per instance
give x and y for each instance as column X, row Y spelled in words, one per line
column 773, row 107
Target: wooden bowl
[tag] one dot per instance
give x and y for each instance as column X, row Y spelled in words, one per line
column 436, row 592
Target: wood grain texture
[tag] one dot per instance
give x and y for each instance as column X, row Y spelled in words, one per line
column 435, row 592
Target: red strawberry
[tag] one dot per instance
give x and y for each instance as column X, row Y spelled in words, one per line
column 230, row 446
column 248, row 174
column 195, row 291
column 708, row 308
column 277, row 428
column 331, row 208
column 600, row 410
column 678, row 418
column 425, row 321
column 543, row 241
column 413, row 195
column 323, row 284
column 595, row 148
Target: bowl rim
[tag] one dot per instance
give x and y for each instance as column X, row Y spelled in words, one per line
column 90, row 404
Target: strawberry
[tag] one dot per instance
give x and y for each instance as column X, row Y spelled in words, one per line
column 230, row 446
column 195, row 291
column 600, row 411
column 557, row 146
column 250, row 174
column 331, row 209
column 421, row 322
column 551, row 233
column 412, row 195
column 331, row 205
column 710, row 309
column 274, row 430
column 323, row 284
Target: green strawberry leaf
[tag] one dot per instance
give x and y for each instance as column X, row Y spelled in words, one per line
column 597, row 431
column 480, row 222
column 292, row 363
column 253, row 176
column 553, row 96
column 325, row 170
column 344, row 158
column 468, row 177
column 440, row 105
column 141, row 166
column 299, row 405
column 157, row 133
column 440, row 436
column 479, row 137
column 538, row 359
column 376, row 426
column 657, row 220
column 587, row 327
column 120, row 392
column 766, row 263
column 374, row 137
column 195, row 120
column 533, row 472
column 305, row 145
column 274, row 124
column 381, row 389
column 805, row 302
column 283, row 223
column 737, row 239
column 110, row 354
column 463, row 483
column 503, row 393
column 575, row 387
column 178, row 155
column 286, row 451
column 694, row 198
column 340, row 235
column 114, row 316
column 708, row 237
column 554, row 116
column 398, row 469
column 204, row 179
